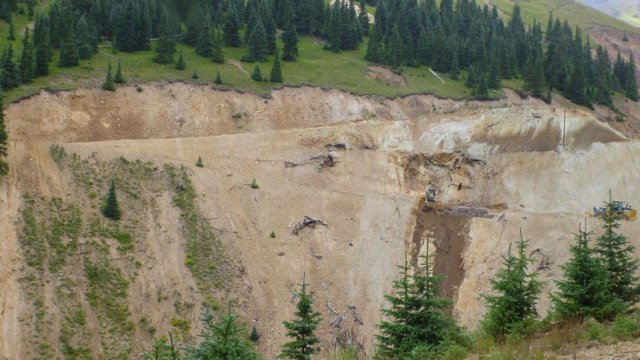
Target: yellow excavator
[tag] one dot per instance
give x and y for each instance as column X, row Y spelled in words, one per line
column 622, row 210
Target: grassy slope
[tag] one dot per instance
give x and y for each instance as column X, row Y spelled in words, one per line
column 626, row 10
column 575, row 12
column 345, row 71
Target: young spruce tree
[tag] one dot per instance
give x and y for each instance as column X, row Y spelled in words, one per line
column 513, row 308
column 111, row 208
column 584, row 291
column 276, row 70
column 119, row 79
column 108, row 81
column 416, row 317
column 301, row 330
column 256, row 75
column 616, row 252
column 224, row 339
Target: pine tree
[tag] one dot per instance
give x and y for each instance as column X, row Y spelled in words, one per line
column 416, row 316
column 276, row 70
column 194, row 75
column 166, row 45
column 603, row 80
column 482, row 92
column 255, row 337
column 111, row 208
column 108, row 81
column 257, row 44
column 290, row 40
column 26, row 66
column 181, row 65
column 363, row 18
column 119, row 79
column 163, row 350
column 224, row 339
column 256, row 75
column 42, row 46
column 217, row 55
column 4, row 138
column 12, row 35
column 232, row 28
column 534, row 76
column 631, row 89
column 302, row 329
column 584, row 291
column 69, row 56
column 204, row 46
column 9, row 74
column 218, row 80
column 617, row 252
column 514, row 306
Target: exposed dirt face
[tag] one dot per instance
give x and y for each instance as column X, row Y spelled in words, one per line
column 386, row 152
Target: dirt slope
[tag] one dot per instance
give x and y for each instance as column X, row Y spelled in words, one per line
column 497, row 166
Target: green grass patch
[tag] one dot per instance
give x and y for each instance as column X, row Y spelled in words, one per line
column 107, row 294
column 205, row 256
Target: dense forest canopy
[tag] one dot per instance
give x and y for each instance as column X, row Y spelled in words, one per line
column 462, row 39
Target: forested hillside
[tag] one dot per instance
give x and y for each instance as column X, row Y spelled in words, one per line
column 467, row 44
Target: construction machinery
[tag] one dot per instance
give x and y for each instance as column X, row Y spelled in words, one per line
column 621, row 210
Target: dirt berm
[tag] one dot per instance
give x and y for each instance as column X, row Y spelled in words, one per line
column 359, row 164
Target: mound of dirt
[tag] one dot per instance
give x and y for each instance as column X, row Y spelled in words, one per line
column 386, row 76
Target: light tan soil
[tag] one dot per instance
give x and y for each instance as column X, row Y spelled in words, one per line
column 507, row 154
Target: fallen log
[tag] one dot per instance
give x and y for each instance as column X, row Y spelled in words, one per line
column 307, row 221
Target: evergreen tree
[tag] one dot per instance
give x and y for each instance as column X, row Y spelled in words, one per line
column 256, row 75
column 4, row 138
column 290, row 40
column 584, row 291
column 181, row 65
column 42, row 46
column 194, row 75
column 69, row 56
column 255, row 337
column 616, row 253
column 374, row 46
column 218, row 80
column 393, row 48
column 204, row 46
column 12, row 35
column 534, row 75
column 363, row 18
column 302, row 329
column 166, row 45
column 86, row 39
column 603, row 80
column 514, row 306
column 26, row 66
column 482, row 92
column 631, row 88
column 108, row 84
column 111, row 208
column 576, row 90
column 119, row 79
column 9, row 74
column 257, row 44
column 217, row 55
column 224, row 339
column 276, row 70
column 416, row 315
column 132, row 25
column 232, row 28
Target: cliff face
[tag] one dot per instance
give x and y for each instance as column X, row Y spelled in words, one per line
column 202, row 235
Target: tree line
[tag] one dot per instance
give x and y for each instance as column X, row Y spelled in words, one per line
column 466, row 36
column 462, row 39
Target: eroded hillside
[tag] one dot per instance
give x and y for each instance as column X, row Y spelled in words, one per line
column 192, row 235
